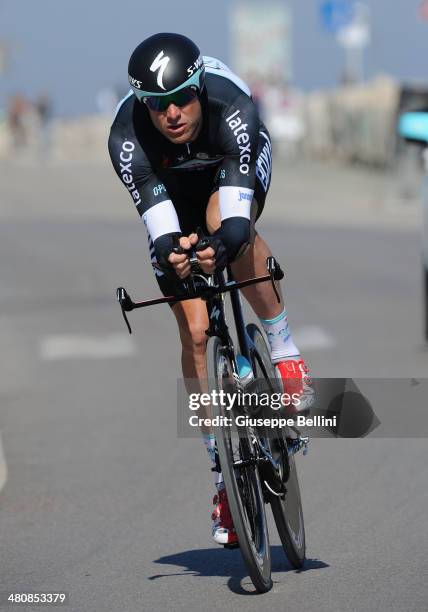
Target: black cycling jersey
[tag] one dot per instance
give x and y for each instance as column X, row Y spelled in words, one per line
column 232, row 137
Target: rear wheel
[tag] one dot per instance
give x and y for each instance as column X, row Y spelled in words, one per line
column 288, row 515
column 287, row 508
column 240, row 473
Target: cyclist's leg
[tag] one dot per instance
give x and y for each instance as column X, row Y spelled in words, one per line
column 192, row 320
column 190, row 196
column 252, row 262
column 190, row 193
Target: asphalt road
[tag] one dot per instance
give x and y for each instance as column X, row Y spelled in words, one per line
column 102, row 500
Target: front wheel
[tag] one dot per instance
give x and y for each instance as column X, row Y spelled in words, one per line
column 240, row 473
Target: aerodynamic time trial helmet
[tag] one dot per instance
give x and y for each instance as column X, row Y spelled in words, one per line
column 166, row 68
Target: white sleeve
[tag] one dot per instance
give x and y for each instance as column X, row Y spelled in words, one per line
column 235, row 202
column 161, row 219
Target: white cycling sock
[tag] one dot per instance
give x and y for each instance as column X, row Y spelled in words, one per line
column 279, row 336
column 211, row 446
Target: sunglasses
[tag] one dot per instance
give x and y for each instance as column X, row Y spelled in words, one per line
column 179, row 98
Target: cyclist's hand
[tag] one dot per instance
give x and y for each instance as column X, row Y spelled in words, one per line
column 180, row 263
column 206, row 259
column 213, row 256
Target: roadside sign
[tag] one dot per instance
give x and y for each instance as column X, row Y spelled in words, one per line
column 336, row 14
column 356, row 35
column 261, row 35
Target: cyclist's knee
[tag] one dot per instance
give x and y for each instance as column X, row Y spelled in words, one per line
column 194, row 338
column 192, row 319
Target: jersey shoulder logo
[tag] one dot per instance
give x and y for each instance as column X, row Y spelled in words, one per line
column 160, row 63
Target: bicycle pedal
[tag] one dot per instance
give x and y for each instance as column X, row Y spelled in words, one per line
column 305, row 442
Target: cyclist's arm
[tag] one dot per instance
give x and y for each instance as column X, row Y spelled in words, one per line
column 239, row 134
column 148, row 193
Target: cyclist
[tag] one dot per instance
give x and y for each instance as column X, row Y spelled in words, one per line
column 189, row 146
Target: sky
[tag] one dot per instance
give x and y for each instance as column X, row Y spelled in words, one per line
column 72, row 49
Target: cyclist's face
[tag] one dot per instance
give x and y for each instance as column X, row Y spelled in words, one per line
column 179, row 124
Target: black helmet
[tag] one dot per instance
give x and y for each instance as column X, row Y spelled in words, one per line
column 165, row 63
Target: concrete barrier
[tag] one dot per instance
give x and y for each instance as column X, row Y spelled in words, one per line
column 78, row 139
column 351, row 123
column 82, row 139
column 354, row 123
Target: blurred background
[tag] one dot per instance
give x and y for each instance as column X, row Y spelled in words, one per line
column 99, row 497
column 328, row 74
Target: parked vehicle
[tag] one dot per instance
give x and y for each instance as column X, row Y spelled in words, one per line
column 414, row 128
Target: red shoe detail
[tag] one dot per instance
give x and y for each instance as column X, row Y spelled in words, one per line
column 223, row 529
column 294, row 374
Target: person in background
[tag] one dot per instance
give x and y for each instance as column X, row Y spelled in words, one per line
column 44, row 110
column 18, row 108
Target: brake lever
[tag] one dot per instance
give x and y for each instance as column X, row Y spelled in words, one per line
column 178, row 250
column 203, row 241
column 126, row 304
column 195, row 268
column 203, row 244
column 200, row 246
column 275, row 273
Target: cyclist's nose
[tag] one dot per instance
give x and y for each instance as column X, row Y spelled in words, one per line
column 173, row 112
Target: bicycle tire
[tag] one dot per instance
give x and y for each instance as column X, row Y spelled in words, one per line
column 287, row 510
column 251, row 527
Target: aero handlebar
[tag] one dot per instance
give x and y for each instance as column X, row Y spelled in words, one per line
column 205, row 291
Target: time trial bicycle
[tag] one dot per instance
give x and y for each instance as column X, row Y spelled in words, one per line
column 257, row 462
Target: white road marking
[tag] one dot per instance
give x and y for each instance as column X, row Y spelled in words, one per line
column 313, row 338
column 3, row 467
column 86, row 347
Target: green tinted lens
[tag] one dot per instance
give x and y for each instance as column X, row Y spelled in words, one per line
column 179, row 98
